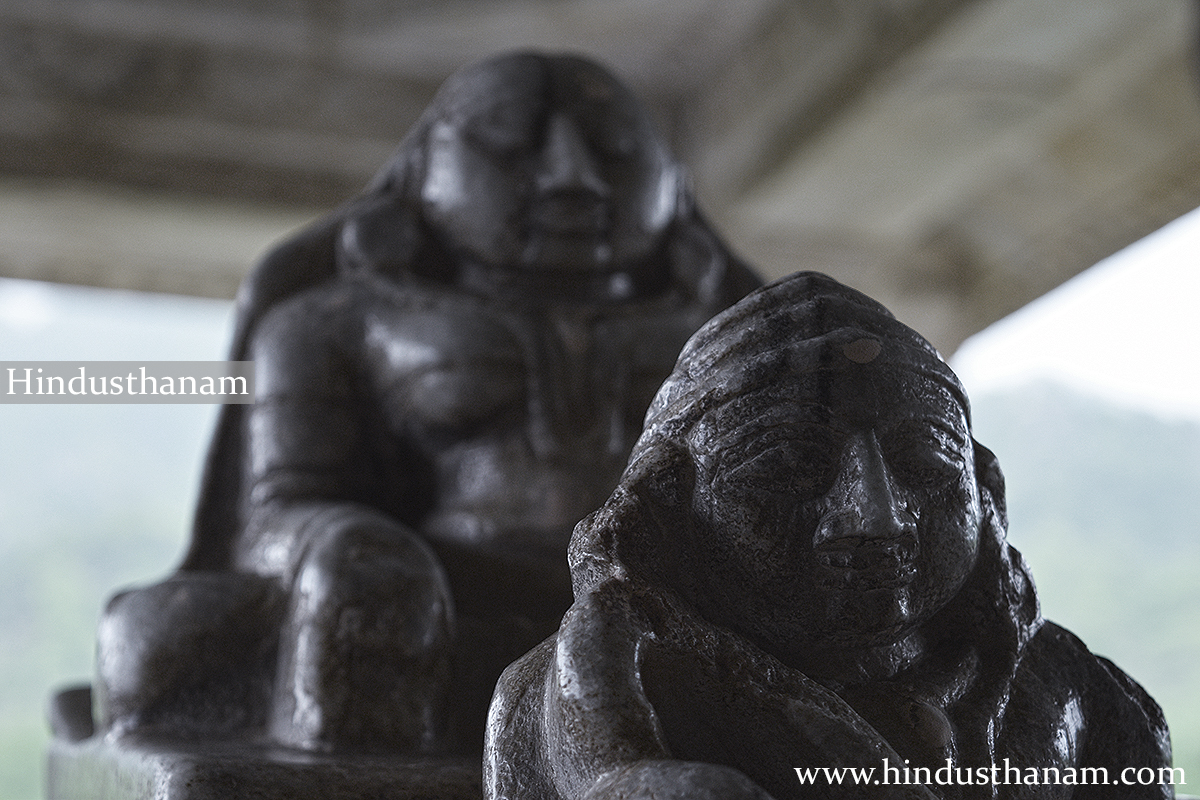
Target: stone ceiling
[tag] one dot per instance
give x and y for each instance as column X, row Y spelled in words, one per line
column 955, row 158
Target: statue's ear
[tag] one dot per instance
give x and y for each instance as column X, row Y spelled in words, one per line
column 991, row 483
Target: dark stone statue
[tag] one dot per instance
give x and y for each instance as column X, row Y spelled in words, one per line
column 452, row 370
column 804, row 566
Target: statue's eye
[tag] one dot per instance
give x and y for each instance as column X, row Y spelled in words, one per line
column 611, row 133
column 925, row 455
column 501, row 130
column 800, row 468
column 614, row 141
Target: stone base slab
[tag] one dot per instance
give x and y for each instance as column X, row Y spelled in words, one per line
column 95, row 769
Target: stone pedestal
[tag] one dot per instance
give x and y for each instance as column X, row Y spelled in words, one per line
column 141, row 769
column 96, row 770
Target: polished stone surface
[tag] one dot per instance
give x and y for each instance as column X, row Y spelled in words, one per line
column 92, row 770
column 804, row 567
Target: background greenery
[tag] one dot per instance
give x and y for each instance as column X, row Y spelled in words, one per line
column 92, row 497
column 1104, row 503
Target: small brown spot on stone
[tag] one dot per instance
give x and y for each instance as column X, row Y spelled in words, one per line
column 862, row 351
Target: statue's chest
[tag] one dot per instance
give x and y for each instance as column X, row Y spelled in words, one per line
column 561, row 379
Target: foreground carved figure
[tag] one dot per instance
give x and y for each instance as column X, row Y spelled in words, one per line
column 804, row 565
column 452, row 370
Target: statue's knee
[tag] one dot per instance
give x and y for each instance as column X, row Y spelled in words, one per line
column 191, row 649
column 364, row 653
column 366, row 564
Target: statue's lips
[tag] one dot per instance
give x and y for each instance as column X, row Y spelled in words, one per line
column 570, row 215
column 868, row 564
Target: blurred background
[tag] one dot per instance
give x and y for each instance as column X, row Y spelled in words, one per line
column 980, row 166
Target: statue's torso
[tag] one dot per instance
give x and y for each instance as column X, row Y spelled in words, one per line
column 526, row 415
column 489, row 426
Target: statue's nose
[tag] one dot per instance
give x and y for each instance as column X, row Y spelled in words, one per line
column 567, row 162
column 864, row 503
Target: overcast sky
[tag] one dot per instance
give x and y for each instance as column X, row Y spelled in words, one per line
column 1127, row 329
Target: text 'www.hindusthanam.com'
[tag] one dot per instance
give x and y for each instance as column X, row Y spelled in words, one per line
column 1006, row 774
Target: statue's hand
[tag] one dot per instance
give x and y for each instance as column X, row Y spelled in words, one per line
column 675, row 780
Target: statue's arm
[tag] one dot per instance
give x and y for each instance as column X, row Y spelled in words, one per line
column 309, row 455
column 598, row 716
column 601, row 733
column 1075, row 710
column 732, row 723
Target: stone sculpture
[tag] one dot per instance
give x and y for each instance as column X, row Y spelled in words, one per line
column 805, row 566
column 452, row 370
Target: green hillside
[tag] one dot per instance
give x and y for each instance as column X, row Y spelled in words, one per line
column 92, row 498
column 1103, row 502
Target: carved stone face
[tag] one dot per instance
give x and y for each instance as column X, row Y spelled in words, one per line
column 546, row 163
column 841, row 505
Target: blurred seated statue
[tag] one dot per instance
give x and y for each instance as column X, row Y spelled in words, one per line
column 804, row 566
column 452, row 369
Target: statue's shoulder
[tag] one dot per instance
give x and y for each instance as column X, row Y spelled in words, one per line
column 1116, row 716
column 1056, row 655
column 320, row 316
column 343, row 309
column 377, row 326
